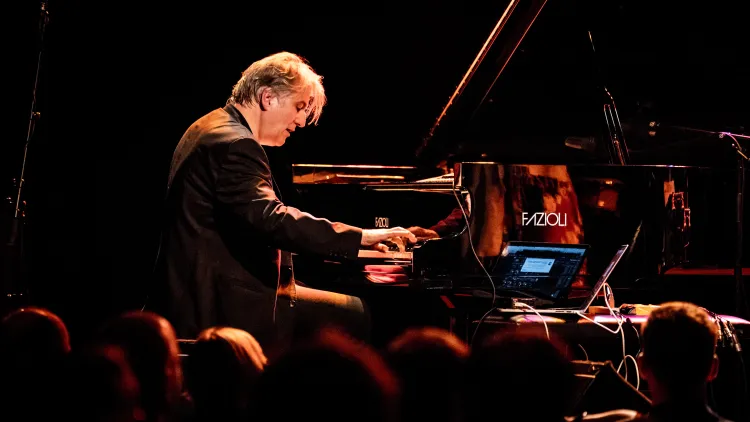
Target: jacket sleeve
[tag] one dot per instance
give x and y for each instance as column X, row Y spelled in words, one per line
column 244, row 189
column 449, row 224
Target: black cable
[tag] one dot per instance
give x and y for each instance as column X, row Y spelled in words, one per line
column 637, row 335
column 746, row 398
column 738, row 348
column 584, row 352
column 728, row 338
column 476, row 329
column 479, row 261
column 471, row 243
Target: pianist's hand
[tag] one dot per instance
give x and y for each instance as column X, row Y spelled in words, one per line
column 423, row 233
column 373, row 237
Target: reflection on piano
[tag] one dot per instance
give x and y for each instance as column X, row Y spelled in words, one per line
column 507, row 185
column 670, row 215
column 385, row 256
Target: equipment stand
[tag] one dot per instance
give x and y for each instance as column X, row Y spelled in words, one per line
column 14, row 286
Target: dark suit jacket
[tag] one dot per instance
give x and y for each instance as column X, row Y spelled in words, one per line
column 220, row 256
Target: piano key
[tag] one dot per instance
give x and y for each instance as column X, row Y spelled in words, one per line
column 369, row 253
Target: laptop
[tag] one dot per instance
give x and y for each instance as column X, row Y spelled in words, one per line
column 543, row 271
column 557, row 306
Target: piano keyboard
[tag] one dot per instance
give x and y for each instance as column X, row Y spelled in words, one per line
column 369, row 253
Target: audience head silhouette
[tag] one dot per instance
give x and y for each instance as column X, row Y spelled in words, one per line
column 224, row 366
column 331, row 377
column 33, row 345
column 34, row 334
column 679, row 348
column 150, row 347
column 514, row 368
column 102, row 386
column 430, row 363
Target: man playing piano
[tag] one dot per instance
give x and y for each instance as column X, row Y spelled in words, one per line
column 225, row 252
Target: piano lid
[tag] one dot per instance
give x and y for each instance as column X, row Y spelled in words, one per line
column 484, row 71
column 535, row 90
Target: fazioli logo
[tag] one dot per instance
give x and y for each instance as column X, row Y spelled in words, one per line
column 541, row 219
column 382, row 222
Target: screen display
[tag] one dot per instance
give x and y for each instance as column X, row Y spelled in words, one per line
column 537, row 265
column 545, row 271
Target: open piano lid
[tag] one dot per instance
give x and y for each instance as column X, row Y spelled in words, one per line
column 532, row 76
column 468, row 104
column 502, row 42
column 538, row 88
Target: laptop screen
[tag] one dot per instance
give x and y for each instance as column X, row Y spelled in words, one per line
column 605, row 276
column 543, row 269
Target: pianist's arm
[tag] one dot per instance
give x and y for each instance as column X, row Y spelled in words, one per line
column 245, row 191
column 449, row 224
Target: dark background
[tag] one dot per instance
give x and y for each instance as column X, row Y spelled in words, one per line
column 120, row 82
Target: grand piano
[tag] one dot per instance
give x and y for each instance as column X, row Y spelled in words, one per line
column 484, row 177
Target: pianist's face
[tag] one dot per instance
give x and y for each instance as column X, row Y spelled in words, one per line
column 283, row 115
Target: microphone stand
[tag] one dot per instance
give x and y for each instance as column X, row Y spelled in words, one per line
column 15, row 288
column 741, row 305
column 618, row 149
column 741, row 295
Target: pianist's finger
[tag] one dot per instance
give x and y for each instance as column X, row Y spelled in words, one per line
column 373, row 236
column 399, row 242
column 423, row 233
column 380, row 247
column 402, row 232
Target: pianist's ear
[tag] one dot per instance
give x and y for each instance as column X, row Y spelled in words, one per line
column 265, row 98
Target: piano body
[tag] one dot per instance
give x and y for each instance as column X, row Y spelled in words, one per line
column 672, row 216
column 489, row 182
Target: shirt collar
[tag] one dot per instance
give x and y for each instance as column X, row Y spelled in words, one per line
column 235, row 113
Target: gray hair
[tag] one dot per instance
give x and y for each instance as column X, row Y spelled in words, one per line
column 284, row 73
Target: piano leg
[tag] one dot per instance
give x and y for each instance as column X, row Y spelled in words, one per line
column 451, row 313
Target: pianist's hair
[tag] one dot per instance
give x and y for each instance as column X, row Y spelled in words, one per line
column 285, row 73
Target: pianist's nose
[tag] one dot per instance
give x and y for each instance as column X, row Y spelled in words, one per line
column 301, row 118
